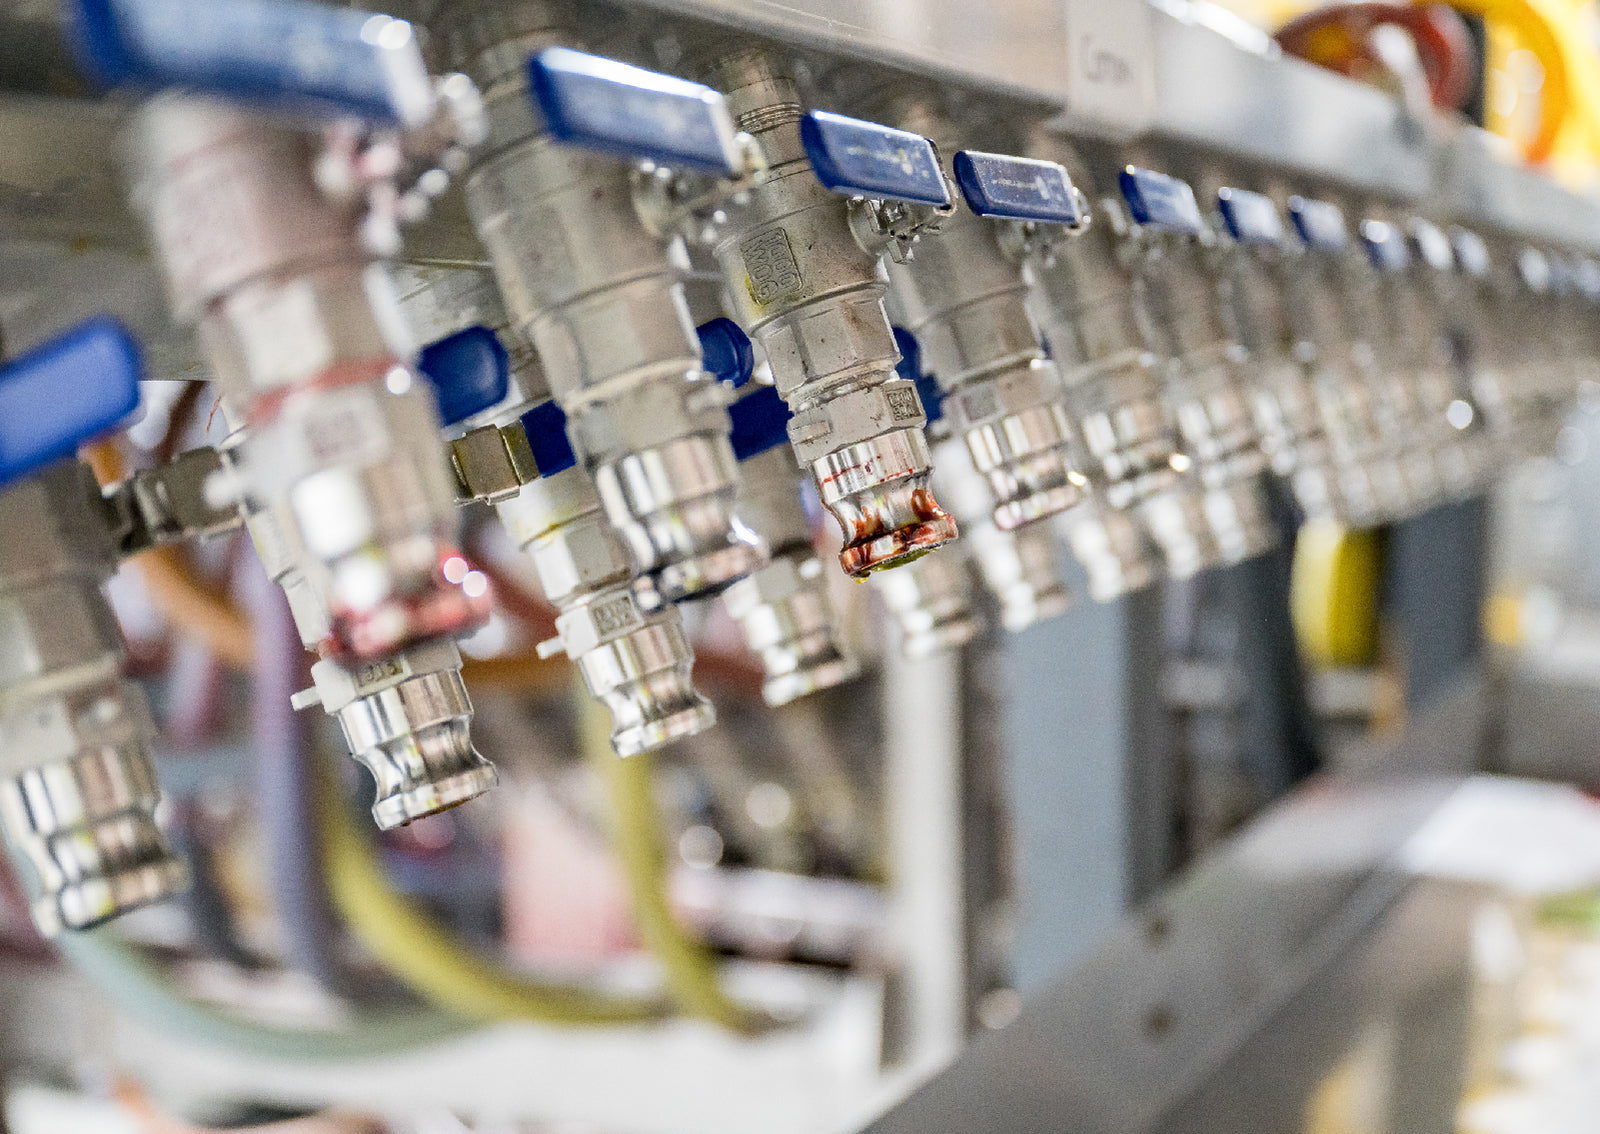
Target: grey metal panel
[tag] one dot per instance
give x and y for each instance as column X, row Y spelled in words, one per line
column 1280, row 110
column 1168, row 1013
column 1478, row 186
column 1018, row 47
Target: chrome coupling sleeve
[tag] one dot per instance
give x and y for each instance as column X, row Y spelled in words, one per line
column 630, row 647
column 599, row 293
column 810, row 292
column 785, row 610
column 78, row 792
column 967, row 305
column 304, row 335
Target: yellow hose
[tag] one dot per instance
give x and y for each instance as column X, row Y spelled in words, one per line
column 688, row 967
column 428, row 959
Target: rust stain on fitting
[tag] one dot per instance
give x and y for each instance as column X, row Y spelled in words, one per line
column 880, row 550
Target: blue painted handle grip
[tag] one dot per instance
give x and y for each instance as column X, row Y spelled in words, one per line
column 1252, row 218
column 470, row 372
column 601, row 104
column 1016, row 188
column 864, row 159
column 67, row 391
column 289, row 54
column 1386, row 247
column 546, row 427
column 1158, row 201
column 1320, row 224
column 760, row 422
column 727, row 350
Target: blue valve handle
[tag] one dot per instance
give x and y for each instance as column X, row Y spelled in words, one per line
column 910, row 368
column 65, row 392
column 1386, row 247
column 288, row 54
column 1017, row 188
column 1430, row 245
column 864, row 159
column 760, row 422
column 1161, row 202
column 1251, row 218
column 727, row 351
column 601, row 104
column 1471, row 253
column 470, row 371
column 546, row 427
column 1533, row 269
column 1319, row 224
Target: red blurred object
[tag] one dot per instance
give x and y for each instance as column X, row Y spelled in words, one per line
column 1339, row 37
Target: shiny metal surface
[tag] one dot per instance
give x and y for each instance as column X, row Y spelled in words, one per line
column 805, row 285
column 630, row 647
column 77, row 790
column 599, row 293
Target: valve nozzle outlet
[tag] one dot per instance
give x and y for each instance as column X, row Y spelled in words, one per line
column 86, row 826
column 415, row 738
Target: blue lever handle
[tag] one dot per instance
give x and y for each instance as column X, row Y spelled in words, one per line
column 1320, row 224
column 601, row 104
column 1386, row 247
column 1533, row 269
column 1471, row 253
column 760, row 422
column 727, row 350
column 65, row 392
column 864, row 159
column 286, row 53
column 470, row 372
column 1017, row 188
column 910, row 368
column 1251, row 218
column 1430, row 245
column 1158, row 201
column 546, row 427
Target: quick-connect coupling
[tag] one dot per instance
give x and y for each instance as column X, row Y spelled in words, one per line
column 598, row 291
column 1021, row 567
column 964, row 296
column 408, row 720
column 406, row 717
column 77, row 790
column 1114, row 550
column 784, row 608
column 931, row 602
column 629, row 645
column 800, row 263
column 1205, row 384
column 301, row 330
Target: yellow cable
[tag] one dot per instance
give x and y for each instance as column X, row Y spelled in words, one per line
column 1333, row 594
column 687, row 966
column 428, row 958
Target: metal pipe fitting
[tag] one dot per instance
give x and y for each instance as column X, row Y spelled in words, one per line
column 1021, row 567
column 407, row 717
column 930, row 601
column 965, row 299
column 599, row 292
column 809, row 291
column 1205, row 389
column 77, row 790
column 1112, row 547
column 1085, row 301
column 785, row 610
column 302, row 332
column 630, row 647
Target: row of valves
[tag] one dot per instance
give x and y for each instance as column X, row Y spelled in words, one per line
column 653, row 244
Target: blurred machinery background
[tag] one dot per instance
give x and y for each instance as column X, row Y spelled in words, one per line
column 511, row 395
